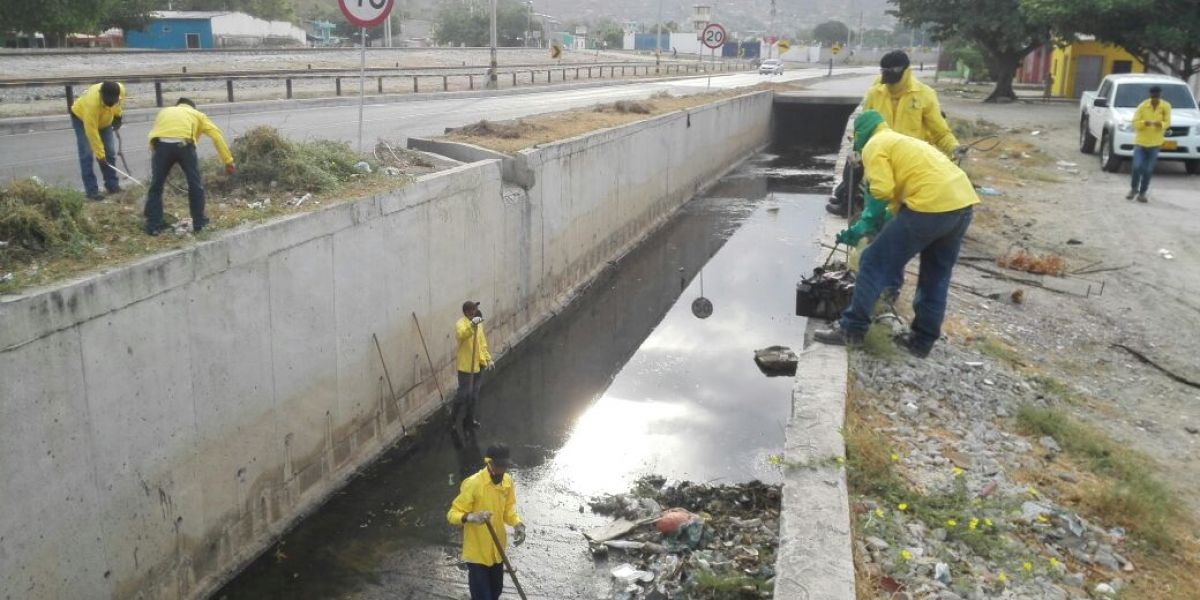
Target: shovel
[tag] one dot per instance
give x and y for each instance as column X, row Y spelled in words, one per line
column 504, row 557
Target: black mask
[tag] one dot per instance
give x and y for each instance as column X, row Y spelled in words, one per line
column 496, row 479
column 892, row 75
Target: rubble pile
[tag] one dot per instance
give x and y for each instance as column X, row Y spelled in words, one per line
column 955, row 521
column 689, row 540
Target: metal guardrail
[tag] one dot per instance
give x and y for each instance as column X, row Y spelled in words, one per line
column 416, row 74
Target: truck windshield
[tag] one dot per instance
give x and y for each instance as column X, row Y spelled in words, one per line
column 1129, row 95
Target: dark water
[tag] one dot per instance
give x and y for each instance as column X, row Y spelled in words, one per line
column 626, row 382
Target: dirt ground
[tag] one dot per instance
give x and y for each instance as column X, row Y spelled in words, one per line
column 1062, row 203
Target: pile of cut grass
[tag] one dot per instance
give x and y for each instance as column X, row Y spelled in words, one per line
column 265, row 159
column 35, row 217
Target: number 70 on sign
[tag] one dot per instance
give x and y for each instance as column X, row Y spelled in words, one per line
column 366, row 13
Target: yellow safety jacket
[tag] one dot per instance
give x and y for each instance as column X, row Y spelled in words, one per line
column 1150, row 124
column 90, row 109
column 478, row 493
column 471, row 355
column 186, row 123
column 908, row 171
column 911, row 107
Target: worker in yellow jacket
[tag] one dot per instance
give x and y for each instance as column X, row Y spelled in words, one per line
column 909, row 107
column 932, row 201
column 95, row 115
column 1151, row 121
column 177, row 130
column 471, row 358
column 487, row 497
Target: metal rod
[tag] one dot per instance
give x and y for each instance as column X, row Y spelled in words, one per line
column 362, row 82
column 429, row 359
column 504, row 557
column 391, row 390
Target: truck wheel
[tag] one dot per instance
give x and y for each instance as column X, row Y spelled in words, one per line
column 1109, row 161
column 1087, row 141
column 1193, row 167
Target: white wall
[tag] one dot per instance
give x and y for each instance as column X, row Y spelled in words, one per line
column 241, row 25
column 161, row 422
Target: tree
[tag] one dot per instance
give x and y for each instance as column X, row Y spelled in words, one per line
column 831, row 31
column 610, row 32
column 469, row 24
column 1001, row 29
column 57, row 18
column 1167, row 31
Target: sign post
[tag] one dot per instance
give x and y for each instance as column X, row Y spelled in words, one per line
column 834, row 50
column 364, row 14
column 713, row 37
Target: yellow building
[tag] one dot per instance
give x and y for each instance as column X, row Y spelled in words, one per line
column 1080, row 66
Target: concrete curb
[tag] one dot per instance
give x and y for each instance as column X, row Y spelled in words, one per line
column 22, row 125
column 815, row 560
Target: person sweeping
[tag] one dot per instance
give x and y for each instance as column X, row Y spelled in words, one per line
column 486, row 502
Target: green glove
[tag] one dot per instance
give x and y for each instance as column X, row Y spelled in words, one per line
column 849, row 237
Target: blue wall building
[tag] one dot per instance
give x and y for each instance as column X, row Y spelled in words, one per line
column 174, row 31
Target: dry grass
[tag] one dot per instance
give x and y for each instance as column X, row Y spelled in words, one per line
column 514, row 136
column 109, row 233
column 1044, row 264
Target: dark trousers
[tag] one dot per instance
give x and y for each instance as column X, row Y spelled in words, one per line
column 467, row 396
column 1144, row 160
column 164, row 157
column 937, row 238
column 486, row 583
column 84, row 149
column 843, row 187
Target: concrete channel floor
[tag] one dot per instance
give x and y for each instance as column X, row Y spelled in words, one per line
column 625, row 382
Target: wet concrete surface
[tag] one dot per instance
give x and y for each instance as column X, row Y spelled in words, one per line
column 626, row 382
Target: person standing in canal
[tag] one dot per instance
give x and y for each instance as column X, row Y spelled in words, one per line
column 487, row 497
column 472, row 358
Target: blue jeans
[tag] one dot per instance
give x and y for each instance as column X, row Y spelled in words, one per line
column 111, row 183
column 467, row 396
column 163, row 158
column 485, row 583
column 937, row 238
column 1144, row 160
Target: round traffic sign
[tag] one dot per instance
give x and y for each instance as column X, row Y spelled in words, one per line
column 713, row 36
column 366, row 13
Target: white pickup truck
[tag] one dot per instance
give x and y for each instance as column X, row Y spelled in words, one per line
column 1106, row 116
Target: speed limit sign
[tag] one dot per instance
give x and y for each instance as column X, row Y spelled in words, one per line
column 713, row 36
column 366, row 13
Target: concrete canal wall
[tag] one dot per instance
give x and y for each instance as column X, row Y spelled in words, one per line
column 160, row 423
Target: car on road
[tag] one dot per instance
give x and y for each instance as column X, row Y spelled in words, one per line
column 1106, row 117
column 771, row 66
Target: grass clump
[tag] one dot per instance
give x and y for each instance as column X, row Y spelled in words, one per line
column 38, row 217
column 626, row 107
column 1045, row 264
column 266, row 159
column 492, row 129
column 999, row 350
column 712, row 585
column 1128, row 494
column 966, row 130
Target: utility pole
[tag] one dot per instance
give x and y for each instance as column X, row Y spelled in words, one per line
column 491, row 82
column 658, row 38
column 771, row 32
column 860, row 29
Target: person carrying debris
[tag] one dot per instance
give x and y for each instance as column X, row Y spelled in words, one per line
column 932, row 200
column 1150, row 123
column 909, row 107
column 95, row 115
column 472, row 357
column 173, row 140
column 487, row 497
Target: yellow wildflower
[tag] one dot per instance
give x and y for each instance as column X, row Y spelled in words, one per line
column 957, row 471
column 1028, row 566
column 1033, row 493
column 879, row 513
column 902, row 506
column 895, row 457
column 973, row 524
column 987, row 522
column 1053, row 562
column 905, row 555
column 951, row 523
column 1002, row 578
column 1042, row 519
column 774, row 460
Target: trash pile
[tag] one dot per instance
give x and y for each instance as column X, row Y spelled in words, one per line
column 689, row 540
column 267, row 160
column 826, row 293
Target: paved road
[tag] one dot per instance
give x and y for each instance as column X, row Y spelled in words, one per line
column 51, row 154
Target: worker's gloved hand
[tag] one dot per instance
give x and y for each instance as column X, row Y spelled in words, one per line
column 519, row 534
column 479, row 517
column 961, row 152
column 491, row 364
column 848, row 237
column 476, row 320
column 117, row 122
column 230, row 169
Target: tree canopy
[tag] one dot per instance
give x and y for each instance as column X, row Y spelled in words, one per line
column 469, row 24
column 831, row 31
column 1164, row 33
column 1002, row 29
